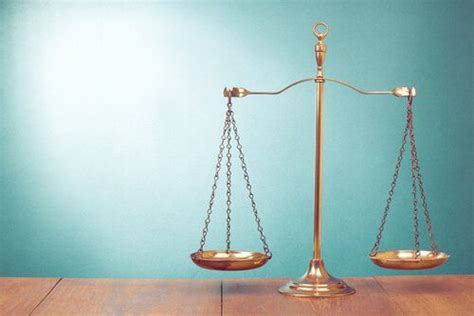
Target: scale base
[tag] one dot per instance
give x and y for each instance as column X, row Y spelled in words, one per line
column 316, row 282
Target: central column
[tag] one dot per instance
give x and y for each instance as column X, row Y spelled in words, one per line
column 318, row 166
column 317, row 282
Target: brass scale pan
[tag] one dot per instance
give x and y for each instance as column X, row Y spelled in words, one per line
column 229, row 260
column 408, row 259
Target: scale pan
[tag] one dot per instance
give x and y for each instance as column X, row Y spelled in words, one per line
column 229, row 260
column 407, row 260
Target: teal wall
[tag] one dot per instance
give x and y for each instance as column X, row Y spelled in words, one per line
column 111, row 115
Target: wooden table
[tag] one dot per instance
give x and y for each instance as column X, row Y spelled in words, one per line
column 381, row 295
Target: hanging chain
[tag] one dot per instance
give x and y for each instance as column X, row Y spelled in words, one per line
column 229, row 172
column 376, row 246
column 416, row 177
column 226, row 137
column 434, row 246
column 414, row 180
column 249, row 188
column 216, row 178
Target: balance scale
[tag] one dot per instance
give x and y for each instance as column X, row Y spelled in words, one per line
column 317, row 282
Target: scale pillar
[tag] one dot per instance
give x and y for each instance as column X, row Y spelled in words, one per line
column 317, row 282
column 320, row 53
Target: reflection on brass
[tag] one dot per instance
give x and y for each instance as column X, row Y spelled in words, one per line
column 316, row 282
column 408, row 259
column 236, row 92
column 229, row 260
column 404, row 92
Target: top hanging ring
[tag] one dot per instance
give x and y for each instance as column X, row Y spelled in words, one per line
column 323, row 34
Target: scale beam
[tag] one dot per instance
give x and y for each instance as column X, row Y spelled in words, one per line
column 238, row 92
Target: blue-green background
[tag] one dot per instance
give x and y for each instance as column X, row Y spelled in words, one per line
column 111, row 114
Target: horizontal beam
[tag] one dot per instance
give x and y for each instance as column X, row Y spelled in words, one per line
column 239, row 92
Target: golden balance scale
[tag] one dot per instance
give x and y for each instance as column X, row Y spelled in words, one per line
column 317, row 282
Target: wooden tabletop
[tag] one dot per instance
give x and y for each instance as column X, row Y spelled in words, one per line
column 387, row 295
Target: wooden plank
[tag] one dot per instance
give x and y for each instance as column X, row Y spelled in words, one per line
column 387, row 295
column 369, row 299
column 260, row 297
column 431, row 294
column 133, row 296
column 20, row 296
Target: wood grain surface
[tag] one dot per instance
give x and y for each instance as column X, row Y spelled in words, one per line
column 133, row 296
column 431, row 294
column 260, row 297
column 370, row 299
column 381, row 295
column 20, row 296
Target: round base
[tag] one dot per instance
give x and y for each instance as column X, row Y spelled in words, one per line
column 229, row 260
column 333, row 288
column 407, row 259
column 316, row 282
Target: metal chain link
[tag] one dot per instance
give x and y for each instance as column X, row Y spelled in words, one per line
column 216, row 178
column 249, row 188
column 229, row 173
column 226, row 137
column 376, row 246
column 416, row 177
column 434, row 246
column 414, row 181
